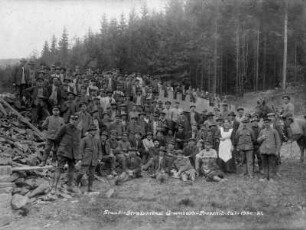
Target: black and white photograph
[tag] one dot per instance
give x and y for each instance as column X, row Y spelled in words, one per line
column 152, row 114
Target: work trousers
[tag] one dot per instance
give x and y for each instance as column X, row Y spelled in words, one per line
column 248, row 159
column 269, row 165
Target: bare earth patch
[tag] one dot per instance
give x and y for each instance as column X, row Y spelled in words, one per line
column 280, row 205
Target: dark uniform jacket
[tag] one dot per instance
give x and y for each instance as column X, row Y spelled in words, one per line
column 69, row 138
column 245, row 139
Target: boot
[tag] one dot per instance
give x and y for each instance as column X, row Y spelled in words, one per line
column 70, row 187
column 78, row 180
column 90, row 183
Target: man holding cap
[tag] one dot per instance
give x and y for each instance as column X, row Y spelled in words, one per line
column 269, row 147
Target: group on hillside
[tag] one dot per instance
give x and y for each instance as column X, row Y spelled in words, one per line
column 111, row 122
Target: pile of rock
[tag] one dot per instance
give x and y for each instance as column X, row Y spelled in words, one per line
column 22, row 181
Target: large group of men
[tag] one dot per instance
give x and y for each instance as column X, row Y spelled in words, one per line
column 116, row 122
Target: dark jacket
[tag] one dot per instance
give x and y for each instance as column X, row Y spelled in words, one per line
column 105, row 148
column 139, row 146
column 91, row 150
column 69, row 138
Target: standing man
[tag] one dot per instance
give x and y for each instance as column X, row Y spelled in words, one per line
column 32, row 73
column 194, row 116
column 176, row 112
column 85, row 119
column 68, row 138
column 21, row 77
column 240, row 112
column 245, row 139
column 288, row 107
column 52, row 124
column 269, row 147
column 91, row 153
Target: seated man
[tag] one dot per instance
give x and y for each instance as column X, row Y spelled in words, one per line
column 183, row 168
column 107, row 155
column 116, row 150
column 133, row 163
column 163, row 165
column 206, row 164
column 153, row 155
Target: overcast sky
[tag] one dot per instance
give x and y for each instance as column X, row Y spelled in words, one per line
column 26, row 24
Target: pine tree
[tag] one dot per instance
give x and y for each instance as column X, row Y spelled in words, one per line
column 63, row 47
column 53, row 48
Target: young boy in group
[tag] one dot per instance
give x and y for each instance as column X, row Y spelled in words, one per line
column 52, row 124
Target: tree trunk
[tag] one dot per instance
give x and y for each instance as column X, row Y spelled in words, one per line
column 264, row 64
column 237, row 59
column 257, row 60
column 214, row 83
column 285, row 46
column 295, row 67
column 202, row 73
column 221, row 73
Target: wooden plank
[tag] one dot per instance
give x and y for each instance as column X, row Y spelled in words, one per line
column 30, row 168
column 36, row 130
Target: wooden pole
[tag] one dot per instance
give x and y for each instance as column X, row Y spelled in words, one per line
column 2, row 110
column 29, row 168
column 36, row 130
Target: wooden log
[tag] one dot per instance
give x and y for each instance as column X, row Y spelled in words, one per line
column 24, row 120
column 2, row 110
column 30, row 168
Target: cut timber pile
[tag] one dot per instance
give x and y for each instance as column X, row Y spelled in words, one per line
column 22, row 181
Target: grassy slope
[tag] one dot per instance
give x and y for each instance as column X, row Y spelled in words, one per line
column 283, row 204
column 273, row 97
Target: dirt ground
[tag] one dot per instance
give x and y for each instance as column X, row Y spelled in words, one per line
column 278, row 205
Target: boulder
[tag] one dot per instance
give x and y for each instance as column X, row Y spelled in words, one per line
column 24, row 191
column 109, row 193
column 19, row 201
column 40, row 190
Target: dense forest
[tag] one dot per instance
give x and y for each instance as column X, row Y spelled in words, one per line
column 222, row 46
